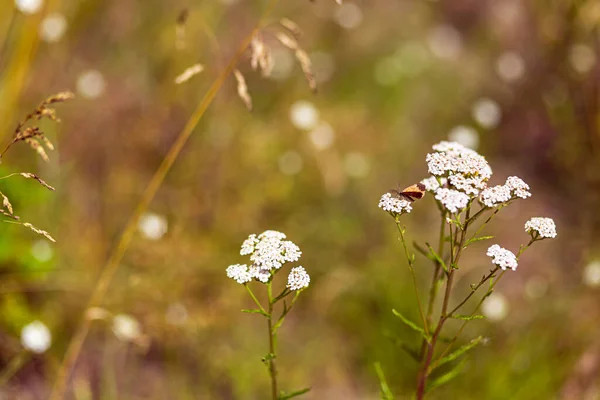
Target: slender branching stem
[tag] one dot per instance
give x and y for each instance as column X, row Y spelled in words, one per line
column 433, row 290
column 260, row 307
column 411, row 267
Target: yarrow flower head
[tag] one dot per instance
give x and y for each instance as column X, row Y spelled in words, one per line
column 394, row 205
column 451, row 199
column 518, row 187
column 494, row 196
column 513, row 188
column 298, row 279
column 268, row 252
column 502, row 257
column 452, row 158
column 542, row 227
column 239, row 273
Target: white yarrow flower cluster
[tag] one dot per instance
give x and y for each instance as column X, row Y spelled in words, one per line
column 518, row 187
column 502, row 257
column 298, row 279
column 394, row 205
column 268, row 252
column 452, row 158
column 451, row 199
column 544, row 227
column 239, row 273
column 513, row 188
column 495, row 195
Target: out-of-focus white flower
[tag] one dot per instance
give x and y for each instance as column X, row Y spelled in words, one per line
column 239, row 273
column 591, row 274
column 394, row 205
column 153, row 226
column 29, row 6
column 42, row 251
column 348, row 16
column 544, row 227
column 126, row 328
column 487, row 113
column 304, row 115
column 495, row 195
column 298, row 279
column 431, row 184
column 451, row 199
column 510, row 66
column 502, row 257
column 36, row 337
column 465, row 135
column 91, row 84
column 582, row 58
column 290, row 163
column 445, row 42
column 53, row 27
column 322, row 136
column 495, row 307
column 356, row 165
column 518, row 187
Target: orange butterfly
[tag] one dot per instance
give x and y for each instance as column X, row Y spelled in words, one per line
column 411, row 193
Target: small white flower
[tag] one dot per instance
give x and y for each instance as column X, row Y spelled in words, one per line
column 36, row 337
column 494, row 196
column 502, row 257
column 298, row 279
column 544, row 227
column 239, row 273
column 126, row 328
column 451, row 199
column 431, row 184
column 248, row 245
column 394, row 205
column 518, row 187
column 271, row 252
column 268, row 251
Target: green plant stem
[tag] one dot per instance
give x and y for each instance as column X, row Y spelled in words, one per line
column 433, row 290
column 254, row 298
column 411, row 267
column 473, row 290
column 455, row 257
column 272, row 343
column 156, row 181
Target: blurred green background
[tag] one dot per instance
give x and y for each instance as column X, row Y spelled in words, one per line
column 518, row 81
